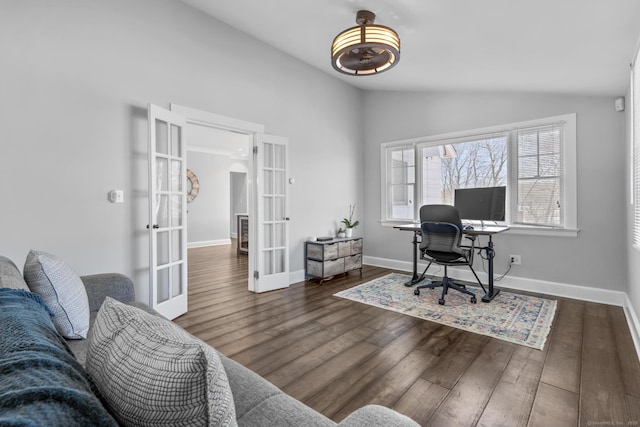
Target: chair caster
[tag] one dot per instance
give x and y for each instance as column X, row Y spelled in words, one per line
column 473, row 300
column 416, row 292
column 441, row 301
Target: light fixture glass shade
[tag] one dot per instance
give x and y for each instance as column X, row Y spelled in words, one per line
column 366, row 49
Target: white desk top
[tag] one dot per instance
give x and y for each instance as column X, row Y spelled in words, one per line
column 486, row 230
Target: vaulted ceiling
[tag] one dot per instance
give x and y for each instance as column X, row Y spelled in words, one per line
column 562, row 46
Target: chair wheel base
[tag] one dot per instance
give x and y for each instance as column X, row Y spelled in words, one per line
column 416, row 292
column 473, row 300
column 441, row 301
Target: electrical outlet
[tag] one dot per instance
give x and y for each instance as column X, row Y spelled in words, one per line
column 515, row 259
column 115, row 196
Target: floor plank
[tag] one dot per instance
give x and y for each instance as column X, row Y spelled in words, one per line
column 554, row 407
column 337, row 355
column 563, row 364
column 466, row 401
column 602, row 397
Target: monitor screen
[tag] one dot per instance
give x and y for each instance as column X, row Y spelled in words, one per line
column 485, row 204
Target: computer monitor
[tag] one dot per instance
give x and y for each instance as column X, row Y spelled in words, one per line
column 485, row 204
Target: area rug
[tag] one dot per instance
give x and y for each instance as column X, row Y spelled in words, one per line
column 520, row 319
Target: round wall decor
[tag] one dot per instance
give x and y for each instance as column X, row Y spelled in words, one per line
column 193, row 186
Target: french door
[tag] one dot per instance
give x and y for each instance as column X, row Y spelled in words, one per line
column 272, row 226
column 167, row 212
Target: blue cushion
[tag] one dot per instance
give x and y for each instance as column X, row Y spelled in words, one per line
column 41, row 383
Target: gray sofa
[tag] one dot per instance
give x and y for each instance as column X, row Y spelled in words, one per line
column 257, row 401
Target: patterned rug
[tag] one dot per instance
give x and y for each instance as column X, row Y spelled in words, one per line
column 519, row 319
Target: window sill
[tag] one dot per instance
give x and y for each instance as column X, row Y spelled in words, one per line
column 513, row 229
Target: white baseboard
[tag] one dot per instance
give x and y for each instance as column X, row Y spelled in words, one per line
column 582, row 293
column 296, row 277
column 634, row 324
column 208, row 243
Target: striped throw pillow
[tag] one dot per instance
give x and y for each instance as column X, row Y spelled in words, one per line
column 62, row 290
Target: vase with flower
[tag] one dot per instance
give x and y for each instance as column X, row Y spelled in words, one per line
column 349, row 222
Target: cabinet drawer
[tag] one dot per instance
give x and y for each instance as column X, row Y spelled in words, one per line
column 356, row 246
column 336, row 266
column 314, row 268
column 331, row 268
column 344, row 249
column 353, row 262
column 322, row 252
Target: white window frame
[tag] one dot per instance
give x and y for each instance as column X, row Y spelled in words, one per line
column 635, row 150
column 569, row 179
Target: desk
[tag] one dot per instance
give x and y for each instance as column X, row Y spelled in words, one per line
column 479, row 231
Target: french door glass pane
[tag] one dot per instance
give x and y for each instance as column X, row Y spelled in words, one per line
column 176, row 210
column 268, row 262
column 278, row 261
column 268, row 155
column 279, row 234
column 279, row 208
column 268, row 236
column 162, row 210
column 176, row 140
column 162, row 243
column 162, row 141
column 176, row 245
column 279, row 156
column 176, row 175
column 176, row 282
column 162, row 174
column 279, row 183
column 268, row 182
column 162, row 285
column 268, row 209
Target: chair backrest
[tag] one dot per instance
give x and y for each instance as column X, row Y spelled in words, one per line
column 441, row 229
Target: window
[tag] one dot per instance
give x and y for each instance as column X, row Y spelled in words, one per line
column 535, row 160
column 539, row 184
column 635, row 123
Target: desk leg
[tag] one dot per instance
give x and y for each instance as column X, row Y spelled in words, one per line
column 414, row 278
column 491, row 293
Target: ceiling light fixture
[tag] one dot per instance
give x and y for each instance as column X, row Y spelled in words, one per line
column 365, row 49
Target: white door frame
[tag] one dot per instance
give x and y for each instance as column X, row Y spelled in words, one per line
column 205, row 118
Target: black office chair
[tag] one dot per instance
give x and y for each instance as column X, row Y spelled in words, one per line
column 441, row 243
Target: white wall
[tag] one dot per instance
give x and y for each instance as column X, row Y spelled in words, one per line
column 76, row 79
column 596, row 258
column 209, row 213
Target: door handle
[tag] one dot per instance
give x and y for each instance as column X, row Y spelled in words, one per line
column 286, row 218
column 155, row 226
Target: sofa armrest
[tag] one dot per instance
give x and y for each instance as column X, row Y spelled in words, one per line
column 375, row 415
column 114, row 285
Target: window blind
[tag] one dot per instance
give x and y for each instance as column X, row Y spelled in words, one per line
column 635, row 111
column 539, row 191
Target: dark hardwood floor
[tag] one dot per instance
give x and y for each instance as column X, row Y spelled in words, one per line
column 337, row 355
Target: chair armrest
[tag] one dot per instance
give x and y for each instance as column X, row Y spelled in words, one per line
column 114, row 285
column 375, row 415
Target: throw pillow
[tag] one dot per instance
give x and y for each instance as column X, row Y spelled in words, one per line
column 151, row 372
column 62, row 290
column 10, row 276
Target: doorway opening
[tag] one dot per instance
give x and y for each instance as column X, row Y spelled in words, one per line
column 220, row 159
